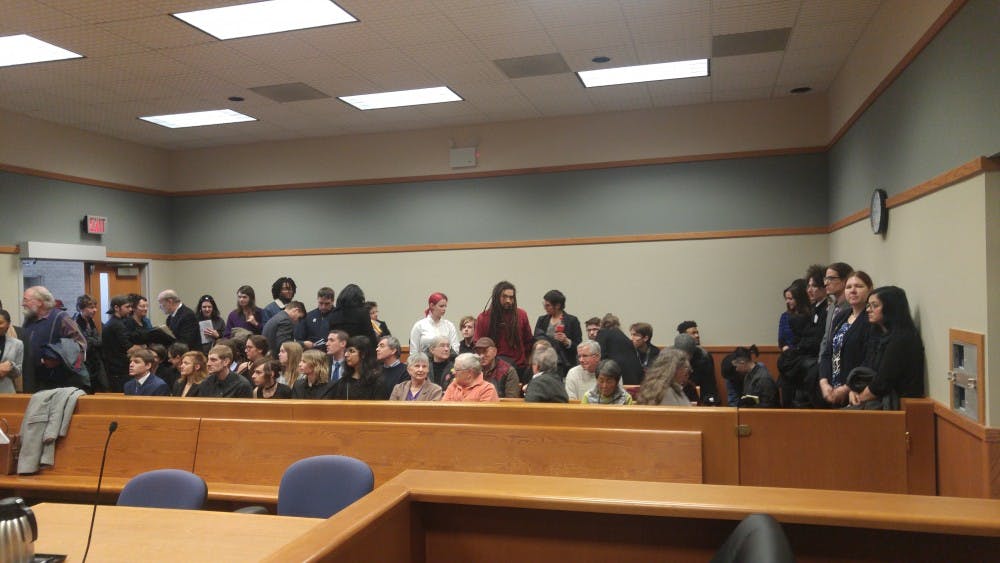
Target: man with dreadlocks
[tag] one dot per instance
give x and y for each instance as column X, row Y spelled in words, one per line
column 508, row 326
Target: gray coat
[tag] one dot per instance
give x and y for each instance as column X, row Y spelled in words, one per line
column 46, row 418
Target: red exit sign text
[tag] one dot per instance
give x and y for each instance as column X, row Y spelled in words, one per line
column 96, row 225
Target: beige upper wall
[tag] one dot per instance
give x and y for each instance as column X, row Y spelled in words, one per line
column 935, row 249
column 40, row 145
column 895, row 29
column 666, row 132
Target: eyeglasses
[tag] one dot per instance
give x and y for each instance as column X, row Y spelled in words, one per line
column 831, row 278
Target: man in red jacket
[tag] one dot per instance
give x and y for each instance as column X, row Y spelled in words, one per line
column 507, row 325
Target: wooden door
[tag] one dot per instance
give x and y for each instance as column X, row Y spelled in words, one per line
column 104, row 281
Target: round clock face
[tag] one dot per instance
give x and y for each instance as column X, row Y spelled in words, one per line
column 878, row 212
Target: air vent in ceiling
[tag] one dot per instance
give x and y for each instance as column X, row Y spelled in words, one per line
column 291, row 92
column 750, row 43
column 535, row 65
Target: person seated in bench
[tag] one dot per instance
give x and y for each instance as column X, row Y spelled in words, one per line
column 607, row 389
column 387, row 354
column 582, row 377
column 193, row 369
column 665, row 380
column 144, row 381
column 221, row 381
column 469, row 384
column 759, row 388
column 502, row 375
column 362, row 380
column 545, row 386
column 265, row 380
column 315, row 384
column 417, row 388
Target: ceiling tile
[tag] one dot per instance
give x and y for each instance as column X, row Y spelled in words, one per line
column 589, row 36
column 758, row 16
column 515, row 44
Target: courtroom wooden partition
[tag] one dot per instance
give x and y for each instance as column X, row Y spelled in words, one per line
column 878, row 452
column 428, row 516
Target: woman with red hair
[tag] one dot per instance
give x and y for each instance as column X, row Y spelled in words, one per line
column 433, row 325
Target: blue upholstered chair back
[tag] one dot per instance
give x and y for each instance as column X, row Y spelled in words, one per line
column 164, row 488
column 321, row 486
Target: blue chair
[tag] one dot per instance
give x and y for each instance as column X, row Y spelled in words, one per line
column 319, row 487
column 758, row 537
column 164, row 488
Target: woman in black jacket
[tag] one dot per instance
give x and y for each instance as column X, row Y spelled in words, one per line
column 849, row 341
column 898, row 357
column 561, row 329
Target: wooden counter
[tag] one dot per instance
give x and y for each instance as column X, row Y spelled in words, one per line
column 154, row 534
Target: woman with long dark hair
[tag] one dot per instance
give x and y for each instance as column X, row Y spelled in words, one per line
column 208, row 311
column 362, row 379
column 350, row 314
column 247, row 314
column 898, row 358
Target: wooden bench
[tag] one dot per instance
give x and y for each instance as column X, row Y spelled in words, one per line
column 141, row 443
column 243, row 460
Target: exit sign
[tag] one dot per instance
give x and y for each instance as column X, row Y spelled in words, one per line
column 96, row 225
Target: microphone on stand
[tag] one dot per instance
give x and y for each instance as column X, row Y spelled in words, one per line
column 97, row 497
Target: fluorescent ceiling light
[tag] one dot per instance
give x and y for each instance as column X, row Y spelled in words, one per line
column 644, row 73
column 260, row 18
column 23, row 49
column 401, row 98
column 198, row 118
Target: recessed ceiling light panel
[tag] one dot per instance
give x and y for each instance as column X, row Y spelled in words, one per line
column 198, row 118
column 644, row 73
column 271, row 16
column 23, row 49
column 402, row 98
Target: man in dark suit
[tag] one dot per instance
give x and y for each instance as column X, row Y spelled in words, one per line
column 116, row 340
column 180, row 319
column 281, row 327
column 546, row 386
column 144, row 381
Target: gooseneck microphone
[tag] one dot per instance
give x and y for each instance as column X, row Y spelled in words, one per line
column 97, row 497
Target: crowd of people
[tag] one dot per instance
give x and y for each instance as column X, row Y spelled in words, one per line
column 843, row 343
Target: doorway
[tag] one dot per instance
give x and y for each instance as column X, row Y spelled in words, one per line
column 105, row 280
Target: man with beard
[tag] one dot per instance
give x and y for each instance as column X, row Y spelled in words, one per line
column 507, row 325
column 282, row 291
column 311, row 332
column 44, row 324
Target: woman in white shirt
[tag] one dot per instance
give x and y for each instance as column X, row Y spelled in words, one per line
column 433, row 325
